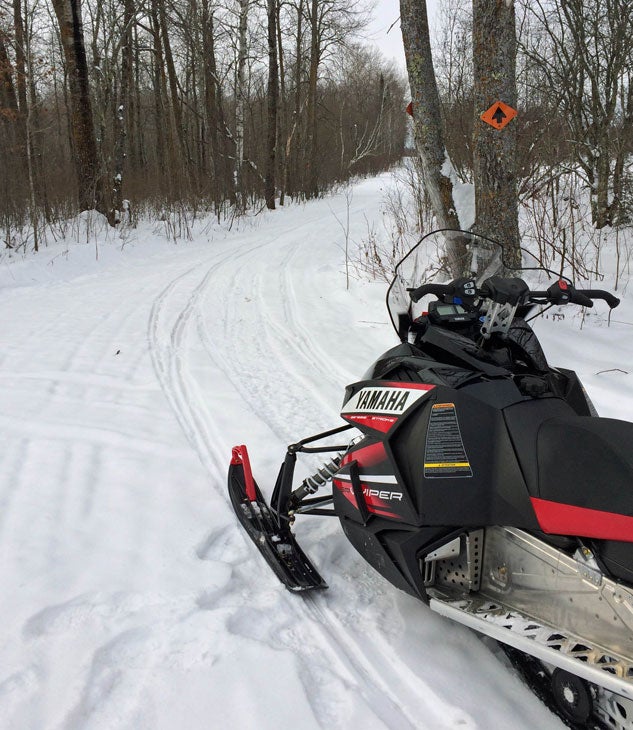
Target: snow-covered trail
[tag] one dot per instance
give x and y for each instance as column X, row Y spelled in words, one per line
column 130, row 598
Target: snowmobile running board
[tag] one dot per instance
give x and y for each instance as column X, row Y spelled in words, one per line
column 551, row 646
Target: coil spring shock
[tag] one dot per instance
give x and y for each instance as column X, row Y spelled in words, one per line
column 313, row 483
column 322, row 475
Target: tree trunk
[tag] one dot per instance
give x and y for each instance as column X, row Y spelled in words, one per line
column 20, row 54
column 34, row 128
column 291, row 179
column 210, row 103
column 312, row 176
column 165, row 132
column 222, row 175
column 282, row 120
column 8, row 97
column 122, row 114
column 20, row 85
column 494, row 151
column 91, row 187
column 176, row 110
column 137, row 131
column 427, row 124
column 273, row 99
column 240, row 101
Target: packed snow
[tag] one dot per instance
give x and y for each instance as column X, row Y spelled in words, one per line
column 130, row 364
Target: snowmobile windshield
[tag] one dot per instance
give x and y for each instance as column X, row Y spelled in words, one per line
column 421, row 266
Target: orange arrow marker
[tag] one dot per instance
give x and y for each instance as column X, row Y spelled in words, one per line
column 499, row 115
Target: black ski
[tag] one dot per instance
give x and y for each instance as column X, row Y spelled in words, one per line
column 276, row 543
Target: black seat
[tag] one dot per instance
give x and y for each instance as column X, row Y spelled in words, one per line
column 586, row 462
column 579, row 473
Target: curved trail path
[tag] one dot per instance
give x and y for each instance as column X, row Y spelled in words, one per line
column 130, row 597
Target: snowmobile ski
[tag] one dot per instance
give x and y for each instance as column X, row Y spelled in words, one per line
column 275, row 542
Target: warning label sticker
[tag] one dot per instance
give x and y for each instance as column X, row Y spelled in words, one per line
column 445, row 455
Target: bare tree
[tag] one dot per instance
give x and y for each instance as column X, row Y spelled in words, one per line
column 331, row 23
column 584, row 56
column 273, row 101
column 122, row 115
column 427, row 123
column 223, row 183
column 452, row 54
column 241, row 98
column 91, row 190
column 315, row 59
column 177, row 102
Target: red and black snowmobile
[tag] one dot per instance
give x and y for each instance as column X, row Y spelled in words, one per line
column 481, row 480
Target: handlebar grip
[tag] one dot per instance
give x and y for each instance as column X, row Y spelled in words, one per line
column 579, row 297
column 600, row 294
column 437, row 289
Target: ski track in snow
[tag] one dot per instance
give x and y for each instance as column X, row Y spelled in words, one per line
column 136, row 599
column 304, row 371
column 186, row 398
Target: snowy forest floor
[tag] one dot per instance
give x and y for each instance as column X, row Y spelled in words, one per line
column 130, row 597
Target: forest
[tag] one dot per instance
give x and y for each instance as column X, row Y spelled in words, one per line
column 135, row 107
column 208, row 105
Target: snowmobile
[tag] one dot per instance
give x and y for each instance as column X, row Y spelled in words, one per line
column 479, row 479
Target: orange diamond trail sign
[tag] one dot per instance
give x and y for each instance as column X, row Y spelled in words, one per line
column 499, row 115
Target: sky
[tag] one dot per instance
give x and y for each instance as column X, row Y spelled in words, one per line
column 386, row 14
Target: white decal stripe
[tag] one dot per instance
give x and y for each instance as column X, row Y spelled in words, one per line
column 371, row 478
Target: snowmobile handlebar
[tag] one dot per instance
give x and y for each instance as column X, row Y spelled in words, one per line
column 561, row 292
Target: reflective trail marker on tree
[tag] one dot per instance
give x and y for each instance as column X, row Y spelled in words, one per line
column 499, row 115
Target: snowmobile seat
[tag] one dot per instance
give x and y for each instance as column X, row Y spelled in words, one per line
column 578, row 470
column 587, row 463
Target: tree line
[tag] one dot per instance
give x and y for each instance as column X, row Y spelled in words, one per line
column 223, row 106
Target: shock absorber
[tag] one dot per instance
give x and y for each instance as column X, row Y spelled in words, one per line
column 313, row 483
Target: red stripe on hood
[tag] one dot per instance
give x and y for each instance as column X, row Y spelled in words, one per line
column 367, row 455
